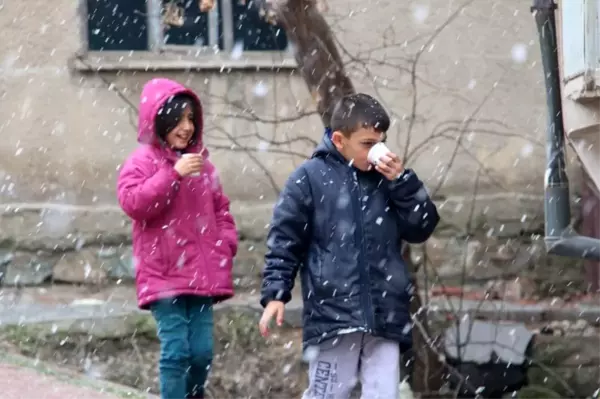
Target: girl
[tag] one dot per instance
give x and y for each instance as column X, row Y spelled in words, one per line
column 184, row 238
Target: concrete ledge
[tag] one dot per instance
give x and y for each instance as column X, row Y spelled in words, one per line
column 59, row 227
column 104, row 61
column 44, row 226
column 112, row 320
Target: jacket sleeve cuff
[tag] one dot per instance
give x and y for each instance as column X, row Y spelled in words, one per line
column 175, row 175
column 272, row 295
column 407, row 181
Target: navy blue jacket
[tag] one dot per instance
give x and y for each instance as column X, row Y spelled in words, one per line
column 342, row 229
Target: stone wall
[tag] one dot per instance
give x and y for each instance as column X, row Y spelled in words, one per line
column 91, row 245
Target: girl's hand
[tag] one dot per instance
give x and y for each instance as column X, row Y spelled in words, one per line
column 189, row 164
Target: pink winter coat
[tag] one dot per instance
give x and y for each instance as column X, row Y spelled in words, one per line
column 184, row 238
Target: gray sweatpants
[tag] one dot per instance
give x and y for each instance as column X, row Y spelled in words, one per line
column 337, row 364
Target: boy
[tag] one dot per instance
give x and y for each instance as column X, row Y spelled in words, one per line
column 340, row 222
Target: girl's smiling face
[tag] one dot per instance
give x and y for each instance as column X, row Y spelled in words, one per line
column 180, row 136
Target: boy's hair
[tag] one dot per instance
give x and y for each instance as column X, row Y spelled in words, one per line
column 356, row 111
column 169, row 114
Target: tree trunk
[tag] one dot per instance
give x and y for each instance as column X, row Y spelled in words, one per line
column 425, row 366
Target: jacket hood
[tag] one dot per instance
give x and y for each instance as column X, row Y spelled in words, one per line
column 326, row 149
column 154, row 94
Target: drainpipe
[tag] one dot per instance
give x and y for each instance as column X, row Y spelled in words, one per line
column 560, row 238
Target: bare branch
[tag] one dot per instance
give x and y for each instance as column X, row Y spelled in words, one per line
column 413, row 74
column 252, row 156
column 316, row 51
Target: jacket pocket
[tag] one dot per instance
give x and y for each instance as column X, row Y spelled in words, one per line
column 221, row 254
column 151, row 253
column 219, row 263
column 170, row 251
column 335, row 273
column 324, row 263
column 178, row 250
column 400, row 282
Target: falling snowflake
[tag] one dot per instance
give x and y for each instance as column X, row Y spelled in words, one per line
column 420, row 13
column 263, row 146
column 519, row 53
column 527, row 150
column 237, row 51
column 260, row 89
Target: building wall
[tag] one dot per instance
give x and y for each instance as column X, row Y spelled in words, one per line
column 479, row 92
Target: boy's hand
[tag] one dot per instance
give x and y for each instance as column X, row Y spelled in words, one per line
column 390, row 166
column 189, row 164
column 273, row 309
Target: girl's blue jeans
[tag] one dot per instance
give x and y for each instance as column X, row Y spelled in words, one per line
column 185, row 331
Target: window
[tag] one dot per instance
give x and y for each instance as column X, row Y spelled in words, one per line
column 144, row 25
column 190, row 26
column 253, row 32
column 117, row 25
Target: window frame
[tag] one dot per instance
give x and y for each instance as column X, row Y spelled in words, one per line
column 162, row 56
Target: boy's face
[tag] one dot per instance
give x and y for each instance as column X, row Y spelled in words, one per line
column 355, row 148
column 179, row 138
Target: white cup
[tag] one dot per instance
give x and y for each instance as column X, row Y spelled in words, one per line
column 376, row 152
column 187, row 156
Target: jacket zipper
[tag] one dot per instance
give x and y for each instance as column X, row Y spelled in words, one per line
column 363, row 266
